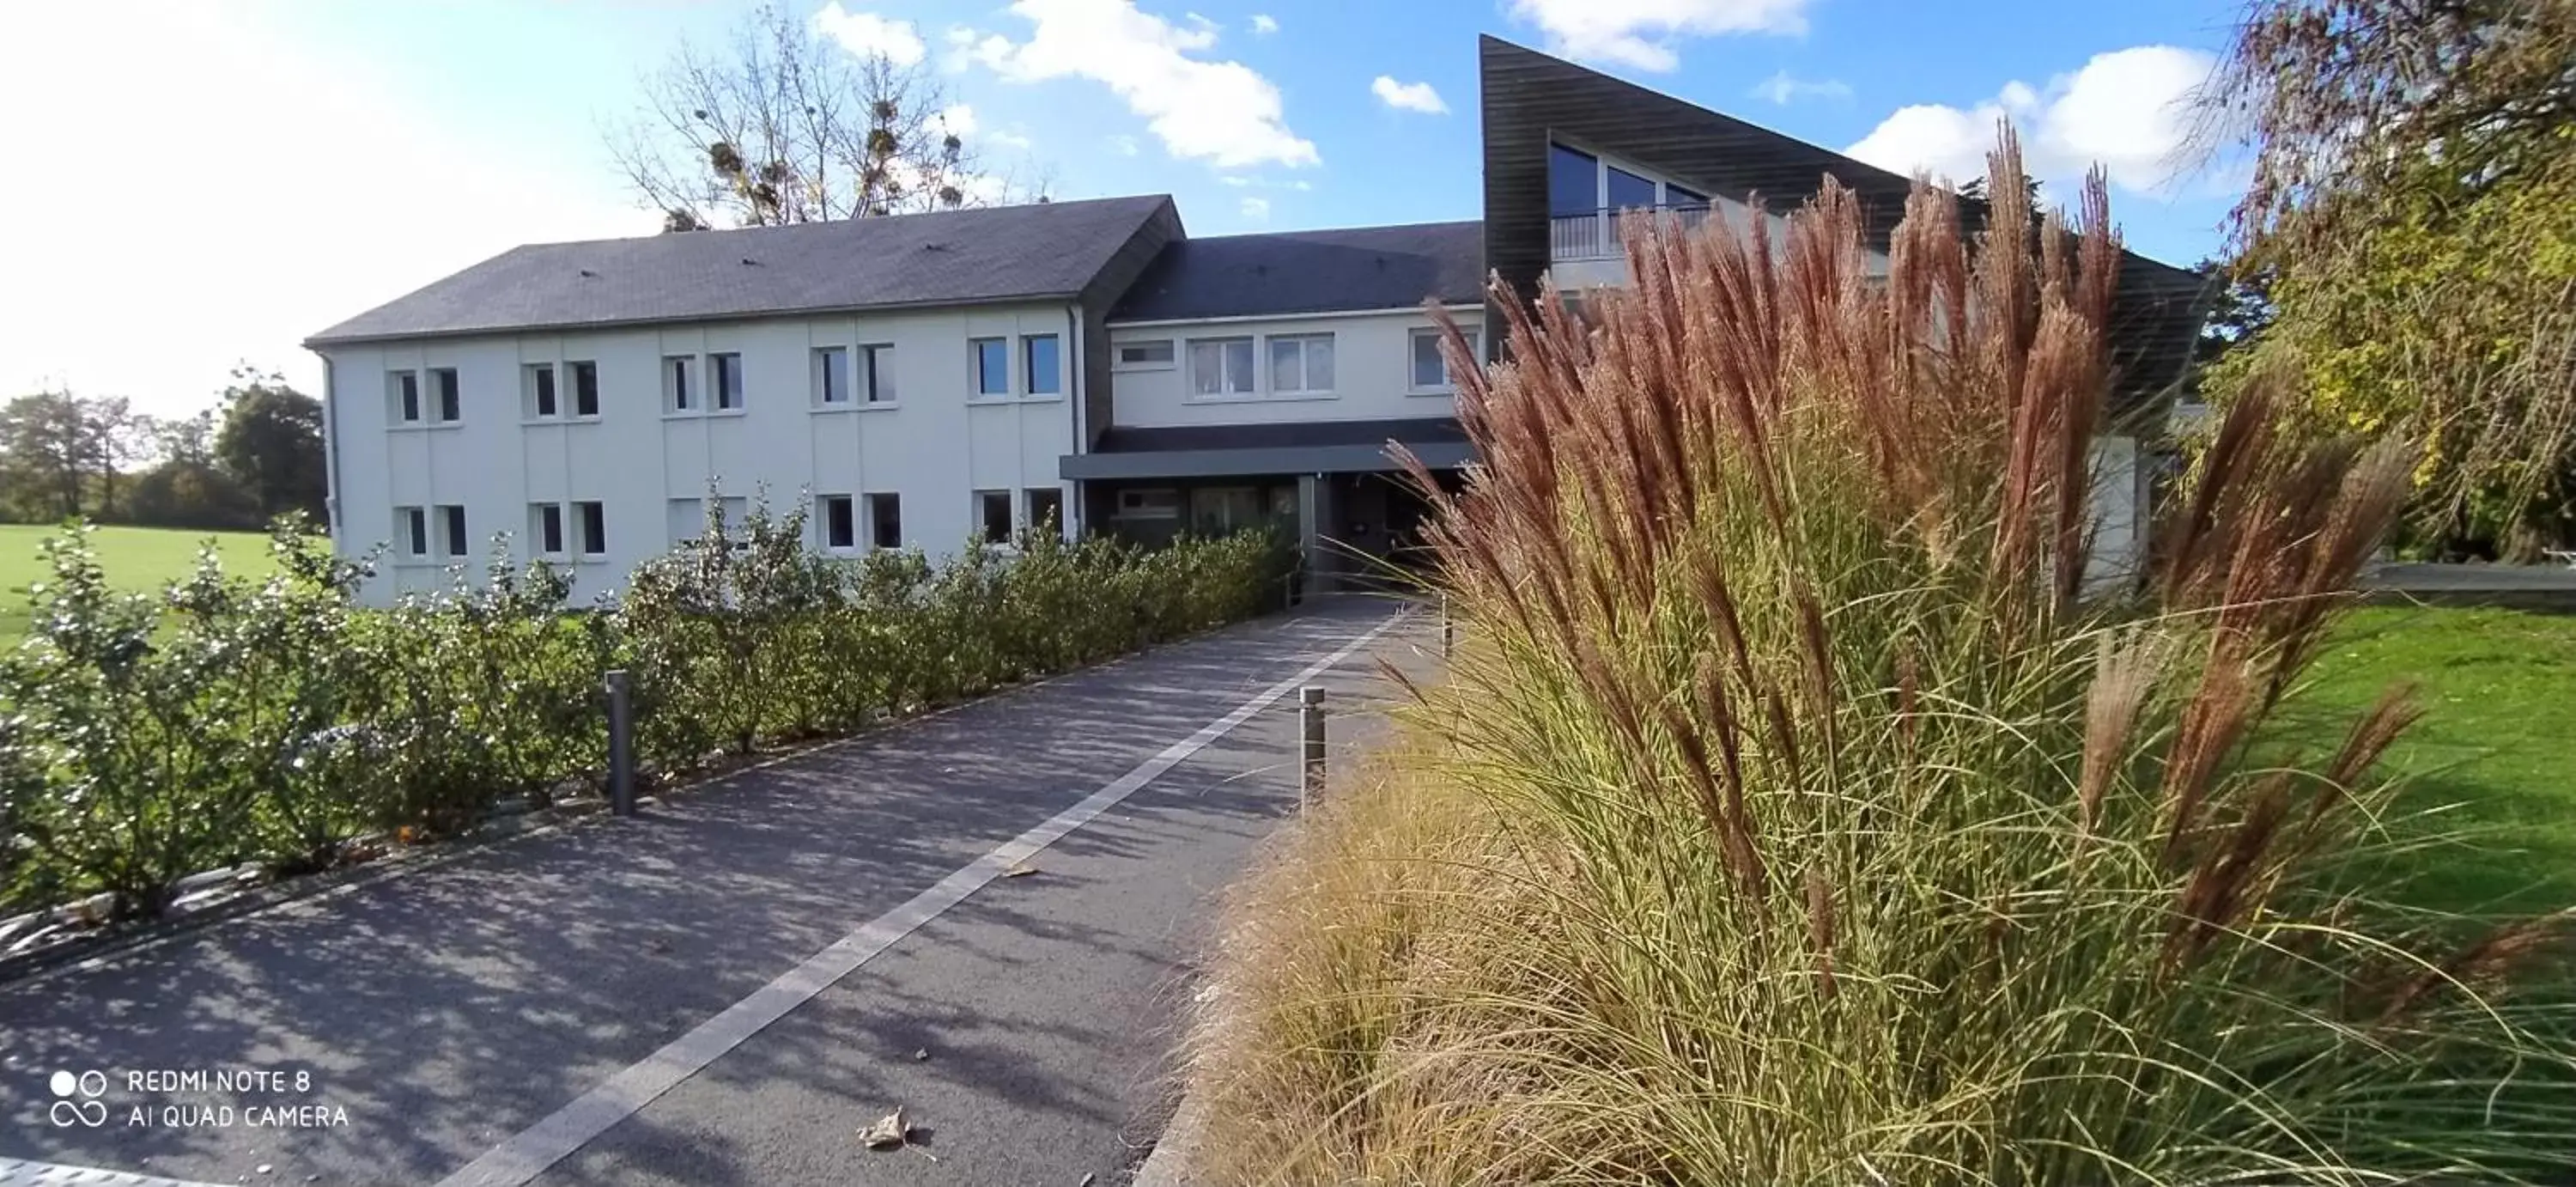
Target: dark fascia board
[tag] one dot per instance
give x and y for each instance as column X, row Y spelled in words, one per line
column 1240, row 463
column 318, row 342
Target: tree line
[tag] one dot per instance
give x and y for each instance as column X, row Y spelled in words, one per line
column 256, row 454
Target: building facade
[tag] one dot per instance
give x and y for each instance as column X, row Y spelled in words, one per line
column 927, row 379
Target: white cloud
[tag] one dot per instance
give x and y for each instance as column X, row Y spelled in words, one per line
column 1011, row 137
column 2127, row 109
column 1641, row 33
column 1124, row 146
column 956, row 119
column 1222, row 112
column 1264, row 24
column 1784, row 89
column 869, row 35
column 1236, row 180
column 248, row 264
column 1408, row 96
column 1257, row 209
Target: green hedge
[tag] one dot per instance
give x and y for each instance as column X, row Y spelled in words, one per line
column 230, row 720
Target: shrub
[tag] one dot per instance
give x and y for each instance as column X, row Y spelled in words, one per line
column 1811, row 804
column 273, row 720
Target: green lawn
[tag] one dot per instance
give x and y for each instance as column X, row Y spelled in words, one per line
column 135, row 558
column 2498, row 740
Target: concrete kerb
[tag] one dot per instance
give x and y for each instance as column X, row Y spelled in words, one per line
column 93, row 951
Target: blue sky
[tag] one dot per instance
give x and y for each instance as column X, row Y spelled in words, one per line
column 235, row 175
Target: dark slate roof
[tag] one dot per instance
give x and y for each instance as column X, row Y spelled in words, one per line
column 1313, row 434
column 1000, row 253
column 1311, row 272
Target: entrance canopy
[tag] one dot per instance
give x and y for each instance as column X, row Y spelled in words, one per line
column 1314, row 447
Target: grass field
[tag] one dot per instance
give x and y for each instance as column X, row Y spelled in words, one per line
column 135, row 558
column 2498, row 740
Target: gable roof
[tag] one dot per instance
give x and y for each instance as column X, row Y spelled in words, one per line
column 1293, row 272
column 954, row 257
column 1528, row 98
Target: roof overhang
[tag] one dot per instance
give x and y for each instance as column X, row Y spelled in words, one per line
column 1239, row 463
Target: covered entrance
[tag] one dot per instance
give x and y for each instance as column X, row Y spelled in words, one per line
column 1331, row 486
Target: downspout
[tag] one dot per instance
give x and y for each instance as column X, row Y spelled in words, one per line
column 1075, row 510
column 331, row 512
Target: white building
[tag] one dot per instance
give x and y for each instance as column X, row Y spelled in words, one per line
column 917, row 379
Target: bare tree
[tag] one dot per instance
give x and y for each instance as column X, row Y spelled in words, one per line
column 782, row 126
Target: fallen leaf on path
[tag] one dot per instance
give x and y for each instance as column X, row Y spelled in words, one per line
column 922, row 1054
column 1021, row 870
column 887, row 1133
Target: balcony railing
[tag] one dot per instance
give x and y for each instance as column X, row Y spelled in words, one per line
column 1595, row 235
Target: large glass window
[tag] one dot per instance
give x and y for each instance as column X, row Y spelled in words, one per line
column 1221, row 366
column 1430, row 369
column 1627, row 190
column 1301, row 363
column 832, row 375
column 1573, row 181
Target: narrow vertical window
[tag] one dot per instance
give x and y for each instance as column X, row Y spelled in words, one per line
column 402, row 391
column 451, row 401
column 1044, row 363
column 452, row 521
column 840, row 522
column 727, row 380
column 585, row 388
column 1046, row 509
column 832, row 376
column 993, row 515
column 413, row 522
column 992, row 366
column 593, row 517
column 546, row 523
column 880, row 374
column 541, row 391
column 885, row 521
column 677, row 395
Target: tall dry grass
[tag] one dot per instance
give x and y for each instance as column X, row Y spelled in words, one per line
column 1807, row 807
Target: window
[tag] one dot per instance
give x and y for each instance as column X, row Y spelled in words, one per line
column 1221, row 366
column 992, row 366
column 541, row 390
column 411, row 524
column 402, row 397
column 451, row 520
column 1145, row 356
column 832, row 376
column 880, row 373
column 585, row 388
column 1044, row 364
column 885, row 520
column 726, row 369
column 1626, row 190
column 683, row 519
column 1573, row 182
column 993, row 515
column 593, row 519
column 451, row 405
column 1149, row 503
column 1301, row 363
column 1677, row 196
column 1218, row 510
column 1430, row 370
column 546, row 528
column 839, row 521
column 1046, row 509
column 677, row 389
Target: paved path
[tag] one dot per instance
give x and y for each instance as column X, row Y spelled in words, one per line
column 728, row 988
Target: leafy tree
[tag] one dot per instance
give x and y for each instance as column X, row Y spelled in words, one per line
column 2413, row 205
column 46, row 438
column 271, row 443
column 782, row 126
